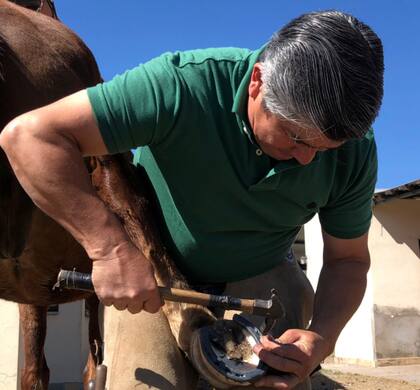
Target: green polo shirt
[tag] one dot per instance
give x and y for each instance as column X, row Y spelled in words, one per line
column 229, row 214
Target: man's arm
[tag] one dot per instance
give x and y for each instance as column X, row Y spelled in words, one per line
column 45, row 148
column 342, row 284
column 340, row 290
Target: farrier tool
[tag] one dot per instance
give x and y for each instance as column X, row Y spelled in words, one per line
column 271, row 309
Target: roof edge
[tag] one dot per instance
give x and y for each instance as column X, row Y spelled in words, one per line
column 409, row 190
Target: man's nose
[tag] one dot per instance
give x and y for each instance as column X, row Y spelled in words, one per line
column 303, row 154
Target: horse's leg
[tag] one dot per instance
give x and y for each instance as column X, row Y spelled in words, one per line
column 33, row 321
column 149, row 341
column 95, row 340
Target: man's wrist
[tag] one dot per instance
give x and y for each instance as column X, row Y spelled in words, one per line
column 109, row 251
column 104, row 240
column 329, row 336
column 107, row 240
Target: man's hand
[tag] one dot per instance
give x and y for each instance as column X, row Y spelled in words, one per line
column 296, row 352
column 125, row 280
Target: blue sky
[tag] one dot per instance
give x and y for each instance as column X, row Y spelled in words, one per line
column 124, row 33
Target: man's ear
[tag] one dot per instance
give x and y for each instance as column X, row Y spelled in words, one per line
column 255, row 83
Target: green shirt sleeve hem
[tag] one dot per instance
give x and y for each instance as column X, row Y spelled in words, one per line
column 347, row 234
column 98, row 104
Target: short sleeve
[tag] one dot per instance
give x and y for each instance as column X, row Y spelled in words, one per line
column 349, row 211
column 138, row 107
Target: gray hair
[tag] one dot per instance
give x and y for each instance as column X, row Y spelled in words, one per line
column 324, row 70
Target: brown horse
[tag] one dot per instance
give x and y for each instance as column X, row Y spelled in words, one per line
column 40, row 61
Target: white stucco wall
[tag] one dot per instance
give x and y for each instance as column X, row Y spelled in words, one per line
column 314, row 247
column 356, row 342
column 9, row 341
column 66, row 356
column 394, row 243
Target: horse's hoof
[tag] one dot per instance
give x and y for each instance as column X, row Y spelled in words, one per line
column 222, row 353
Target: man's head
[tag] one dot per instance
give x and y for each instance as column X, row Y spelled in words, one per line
column 322, row 76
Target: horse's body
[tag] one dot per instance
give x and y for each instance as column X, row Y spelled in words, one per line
column 40, row 61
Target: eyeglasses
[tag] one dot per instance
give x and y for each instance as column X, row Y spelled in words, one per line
column 44, row 6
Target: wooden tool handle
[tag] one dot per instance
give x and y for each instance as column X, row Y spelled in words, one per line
column 80, row 281
column 190, row 296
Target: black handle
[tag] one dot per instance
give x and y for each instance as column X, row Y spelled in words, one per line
column 74, row 280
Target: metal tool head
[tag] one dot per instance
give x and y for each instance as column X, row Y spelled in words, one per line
column 271, row 308
column 275, row 312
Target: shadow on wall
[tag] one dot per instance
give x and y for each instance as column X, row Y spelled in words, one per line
column 400, row 218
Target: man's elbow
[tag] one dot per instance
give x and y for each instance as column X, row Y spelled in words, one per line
column 16, row 132
column 359, row 263
column 363, row 263
column 22, row 132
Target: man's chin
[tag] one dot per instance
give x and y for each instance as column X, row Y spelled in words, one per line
column 276, row 154
column 280, row 156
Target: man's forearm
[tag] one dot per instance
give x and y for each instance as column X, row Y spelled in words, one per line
column 297, row 351
column 50, row 168
column 340, row 291
column 46, row 149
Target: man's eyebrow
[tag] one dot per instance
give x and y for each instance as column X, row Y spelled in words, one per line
column 299, row 140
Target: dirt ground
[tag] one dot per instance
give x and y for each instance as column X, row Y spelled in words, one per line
column 333, row 380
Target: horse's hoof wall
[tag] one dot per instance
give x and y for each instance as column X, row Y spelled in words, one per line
column 222, row 353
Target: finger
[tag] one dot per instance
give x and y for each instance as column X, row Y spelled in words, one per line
column 269, row 337
column 289, row 351
column 135, row 308
column 151, row 307
column 290, row 336
column 278, row 362
column 106, row 302
column 278, row 382
column 153, row 304
column 120, row 305
column 270, row 343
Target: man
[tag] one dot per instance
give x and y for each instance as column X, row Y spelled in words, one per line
column 243, row 148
